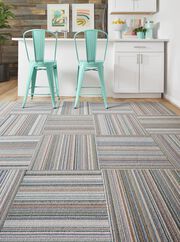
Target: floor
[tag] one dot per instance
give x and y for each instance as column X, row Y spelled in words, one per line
column 89, row 174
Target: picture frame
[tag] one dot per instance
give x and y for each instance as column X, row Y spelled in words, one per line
column 82, row 17
column 58, row 17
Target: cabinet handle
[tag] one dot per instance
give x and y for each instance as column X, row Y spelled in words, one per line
column 141, row 59
column 138, row 56
column 140, row 47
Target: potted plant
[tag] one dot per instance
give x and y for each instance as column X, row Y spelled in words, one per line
column 140, row 32
column 5, row 16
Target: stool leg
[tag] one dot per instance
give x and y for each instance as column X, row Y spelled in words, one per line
column 31, row 70
column 79, row 84
column 51, row 85
column 103, row 88
column 33, row 82
column 56, row 81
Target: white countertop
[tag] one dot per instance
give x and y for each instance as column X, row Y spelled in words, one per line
column 110, row 40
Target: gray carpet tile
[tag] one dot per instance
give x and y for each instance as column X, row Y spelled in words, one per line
column 118, row 124
column 143, row 204
column 5, row 108
column 69, row 124
column 131, row 153
column 17, row 151
column 151, row 108
column 67, row 108
column 23, row 125
column 121, row 107
column 58, row 207
column 161, row 124
column 42, row 107
column 66, row 152
column 170, row 145
column 9, row 182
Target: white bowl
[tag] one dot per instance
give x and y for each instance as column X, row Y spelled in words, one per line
column 119, row 27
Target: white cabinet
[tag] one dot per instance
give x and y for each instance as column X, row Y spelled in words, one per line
column 145, row 6
column 128, row 6
column 122, row 5
column 139, row 68
column 126, row 73
column 151, row 72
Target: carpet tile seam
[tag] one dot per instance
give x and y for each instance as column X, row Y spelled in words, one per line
column 166, row 155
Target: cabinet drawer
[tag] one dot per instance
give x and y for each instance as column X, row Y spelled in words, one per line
column 139, row 47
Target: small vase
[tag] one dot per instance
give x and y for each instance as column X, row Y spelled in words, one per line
column 140, row 35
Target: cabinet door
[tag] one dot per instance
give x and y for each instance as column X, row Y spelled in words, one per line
column 152, row 72
column 122, row 5
column 126, row 76
column 145, row 6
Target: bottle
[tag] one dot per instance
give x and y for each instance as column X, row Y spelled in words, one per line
column 149, row 26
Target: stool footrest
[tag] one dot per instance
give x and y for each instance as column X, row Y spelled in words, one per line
column 90, row 87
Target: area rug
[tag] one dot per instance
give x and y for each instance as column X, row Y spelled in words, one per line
column 90, row 174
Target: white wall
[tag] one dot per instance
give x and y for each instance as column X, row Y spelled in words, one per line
column 169, row 19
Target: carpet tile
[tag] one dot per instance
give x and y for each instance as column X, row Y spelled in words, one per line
column 69, row 124
column 66, row 152
column 58, row 207
column 23, row 125
column 118, row 124
column 16, row 151
column 9, row 182
column 143, row 204
column 33, row 107
column 130, row 152
column 170, row 145
column 112, row 108
column 67, row 108
column 151, row 108
column 161, row 124
column 5, row 108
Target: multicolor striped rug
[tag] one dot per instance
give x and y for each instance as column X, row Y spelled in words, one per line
column 66, row 152
column 143, row 205
column 118, row 124
column 23, row 125
column 69, row 124
column 89, row 174
column 63, row 206
column 130, row 153
column 161, row 124
column 17, row 151
column 9, row 184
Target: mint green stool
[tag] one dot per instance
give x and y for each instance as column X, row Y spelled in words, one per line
column 91, row 64
column 39, row 63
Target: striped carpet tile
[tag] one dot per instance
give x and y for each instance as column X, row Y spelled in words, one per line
column 170, row 145
column 64, row 207
column 33, row 107
column 23, row 125
column 69, row 124
column 17, row 151
column 143, row 204
column 5, row 108
column 120, row 107
column 161, row 124
column 131, row 153
column 66, row 152
column 67, row 108
column 9, row 182
column 150, row 108
column 118, row 124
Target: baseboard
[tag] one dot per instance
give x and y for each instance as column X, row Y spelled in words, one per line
column 173, row 100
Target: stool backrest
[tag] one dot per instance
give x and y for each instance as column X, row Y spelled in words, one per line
column 38, row 36
column 91, row 37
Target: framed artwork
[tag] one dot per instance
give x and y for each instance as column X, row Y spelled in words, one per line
column 82, row 17
column 58, row 17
